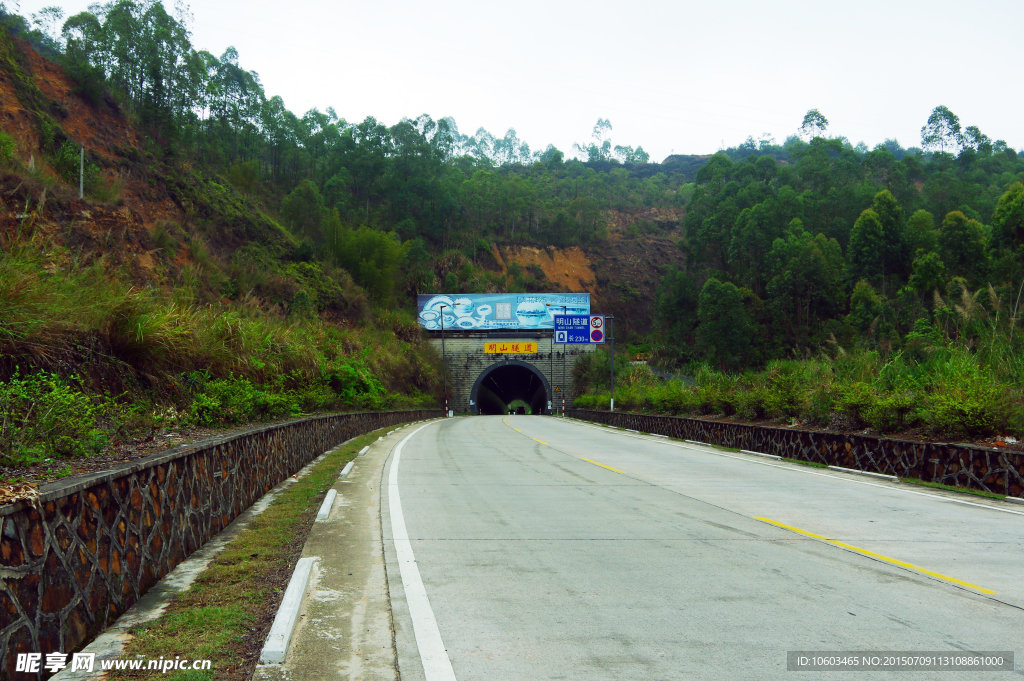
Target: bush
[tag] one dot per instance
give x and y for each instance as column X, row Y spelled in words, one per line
column 970, row 407
column 7, row 148
column 43, row 416
column 855, row 400
column 227, row 401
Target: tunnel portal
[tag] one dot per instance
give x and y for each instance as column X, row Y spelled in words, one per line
column 502, row 384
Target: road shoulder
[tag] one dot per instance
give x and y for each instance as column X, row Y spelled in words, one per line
column 345, row 628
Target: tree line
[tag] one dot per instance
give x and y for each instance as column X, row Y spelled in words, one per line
column 815, row 243
column 789, row 246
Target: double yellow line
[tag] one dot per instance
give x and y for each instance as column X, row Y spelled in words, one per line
column 876, row 556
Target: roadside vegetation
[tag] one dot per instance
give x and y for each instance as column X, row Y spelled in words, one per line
column 824, row 281
column 227, row 612
column 91, row 358
column 944, row 382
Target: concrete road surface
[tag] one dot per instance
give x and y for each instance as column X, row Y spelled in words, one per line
column 528, row 548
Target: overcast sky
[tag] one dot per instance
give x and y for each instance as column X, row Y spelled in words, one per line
column 682, row 76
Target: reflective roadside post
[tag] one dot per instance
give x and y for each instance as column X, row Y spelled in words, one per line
column 444, row 362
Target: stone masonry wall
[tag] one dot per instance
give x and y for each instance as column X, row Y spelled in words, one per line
column 986, row 468
column 90, row 547
column 466, row 361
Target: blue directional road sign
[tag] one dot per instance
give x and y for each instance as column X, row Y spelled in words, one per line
column 579, row 329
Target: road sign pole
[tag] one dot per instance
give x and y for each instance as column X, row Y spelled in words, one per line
column 611, row 342
column 444, row 362
column 564, row 311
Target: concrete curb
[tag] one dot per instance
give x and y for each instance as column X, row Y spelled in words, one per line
column 325, row 508
column 364, row 450
column 1015, row 500
column 767, row 456
column 868, row 473
column 284, row 623
column 345, row 471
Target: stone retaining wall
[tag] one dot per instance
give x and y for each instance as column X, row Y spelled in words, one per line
column 91, row 546
column 986, row 468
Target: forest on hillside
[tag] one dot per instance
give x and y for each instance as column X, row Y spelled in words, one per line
column 420, row 203
column 812, row 247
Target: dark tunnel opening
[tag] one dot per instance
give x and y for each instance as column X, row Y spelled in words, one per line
column 510, row 384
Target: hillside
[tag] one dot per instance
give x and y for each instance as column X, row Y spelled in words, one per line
column 163, row 299
column 224, row 239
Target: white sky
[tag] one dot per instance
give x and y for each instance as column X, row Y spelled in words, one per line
column 682, row 76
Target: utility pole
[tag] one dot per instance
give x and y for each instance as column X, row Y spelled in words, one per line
column 611, row 341
column 444, row 361
column 81, row 173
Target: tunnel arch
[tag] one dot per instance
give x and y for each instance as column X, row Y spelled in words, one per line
column 538, row 400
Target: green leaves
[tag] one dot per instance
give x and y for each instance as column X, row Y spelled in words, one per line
column 867, row 247
column 942, row 130
column 42, row 416
column 962, row 245
column 725, row 329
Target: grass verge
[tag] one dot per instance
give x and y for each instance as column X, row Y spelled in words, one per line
column 226, row 613
column 815, row 464
column 953, row 488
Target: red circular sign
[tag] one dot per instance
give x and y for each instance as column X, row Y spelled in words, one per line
column 596, row 322
column 596, row 335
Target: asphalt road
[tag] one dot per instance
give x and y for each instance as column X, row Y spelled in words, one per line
column 551, row 549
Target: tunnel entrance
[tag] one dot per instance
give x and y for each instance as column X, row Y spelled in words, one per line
column 509, row 385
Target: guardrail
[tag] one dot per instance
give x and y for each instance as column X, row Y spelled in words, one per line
column 89, row 547
column 990, row 469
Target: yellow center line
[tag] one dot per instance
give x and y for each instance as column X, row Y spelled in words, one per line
column 877, row 556
column 522, row 433
column 603, row 466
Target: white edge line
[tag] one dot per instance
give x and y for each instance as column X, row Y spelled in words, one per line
column 436, row 665
column 346, row 469
column 280, row 635
column 803, row 469
column 325, row 508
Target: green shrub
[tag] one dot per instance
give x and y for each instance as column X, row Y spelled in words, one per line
column 43, row 416
column 856, row 399
column 970, row 407
column 232, row 400
column 819, row 405
column 7, row 148
column 753, row 403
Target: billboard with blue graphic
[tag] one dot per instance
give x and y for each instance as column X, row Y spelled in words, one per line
column 497, row 311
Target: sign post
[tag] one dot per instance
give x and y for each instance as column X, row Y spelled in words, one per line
column 444, row 362
column 578, row 329
column 611, row 342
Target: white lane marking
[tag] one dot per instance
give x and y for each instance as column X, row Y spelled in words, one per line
column 436, row 665
column 797, row 468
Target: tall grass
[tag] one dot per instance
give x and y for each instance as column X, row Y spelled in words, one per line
column 937, row 383
column 224, row 362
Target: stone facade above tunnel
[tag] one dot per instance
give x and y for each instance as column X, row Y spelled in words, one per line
column 467, row 360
